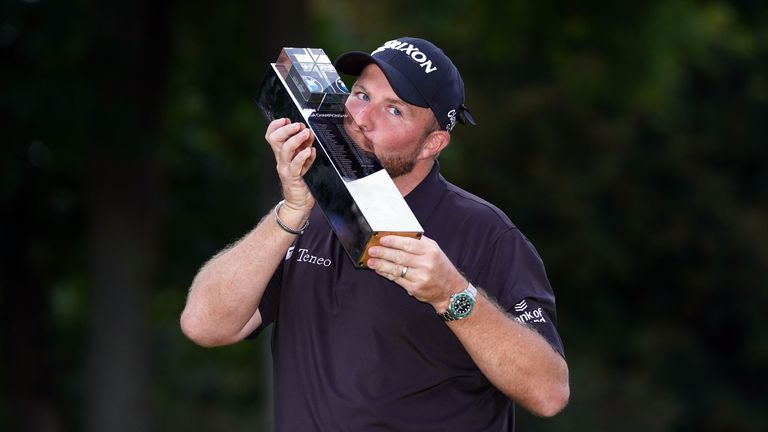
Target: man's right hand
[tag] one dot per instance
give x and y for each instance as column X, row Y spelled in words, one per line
column 292, row 145
column 223, row 302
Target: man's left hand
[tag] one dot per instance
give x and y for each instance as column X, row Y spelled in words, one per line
column 419, row 266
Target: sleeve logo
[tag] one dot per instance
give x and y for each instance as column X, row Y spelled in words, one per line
column 525, row 316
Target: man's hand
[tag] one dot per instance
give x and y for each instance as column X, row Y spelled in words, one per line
column 292, row 145
column 429, row 276
column 515, row 358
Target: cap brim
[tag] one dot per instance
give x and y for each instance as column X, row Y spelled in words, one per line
column 353, row 63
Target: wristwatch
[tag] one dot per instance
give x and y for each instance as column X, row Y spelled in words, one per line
column 460, row 305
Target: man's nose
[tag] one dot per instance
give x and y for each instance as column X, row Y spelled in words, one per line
column 362, row 118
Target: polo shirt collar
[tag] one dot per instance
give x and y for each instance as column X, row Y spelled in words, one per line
column 424, row 198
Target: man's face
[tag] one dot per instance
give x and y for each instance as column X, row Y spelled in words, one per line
column 391, row 128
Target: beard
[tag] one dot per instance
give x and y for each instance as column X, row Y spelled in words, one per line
column 397, row 164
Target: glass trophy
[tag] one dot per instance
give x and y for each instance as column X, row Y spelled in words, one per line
column 354, row 192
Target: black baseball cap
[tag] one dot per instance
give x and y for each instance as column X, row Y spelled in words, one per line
column 420, row 73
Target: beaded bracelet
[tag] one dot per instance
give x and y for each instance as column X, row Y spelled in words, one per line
column 285, row 227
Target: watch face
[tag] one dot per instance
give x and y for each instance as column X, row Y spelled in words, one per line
column 461, row 305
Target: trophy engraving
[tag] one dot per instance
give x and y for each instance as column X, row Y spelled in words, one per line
column 354, row 192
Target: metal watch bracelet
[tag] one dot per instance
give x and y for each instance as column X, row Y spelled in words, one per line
column 471, row 292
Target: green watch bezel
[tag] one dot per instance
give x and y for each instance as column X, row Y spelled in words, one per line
column 456, row 303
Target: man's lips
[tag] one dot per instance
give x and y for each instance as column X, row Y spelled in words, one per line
column 364, row 143
column 359, row 137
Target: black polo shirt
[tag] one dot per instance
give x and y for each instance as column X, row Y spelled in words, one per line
column 353, row 352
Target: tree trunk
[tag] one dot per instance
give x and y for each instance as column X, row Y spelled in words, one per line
column 124, row 211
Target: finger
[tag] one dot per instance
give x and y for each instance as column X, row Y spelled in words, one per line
column 405, row 244
column 301, row 162
column 308, row 163
column 395, row 256
column 293, row 146
column 407, row 285
column 384, row 267
column 275, row 125
column 278, row 137
column 389, row 275
column 308, row 142
column 300, row 141
column 278, row 131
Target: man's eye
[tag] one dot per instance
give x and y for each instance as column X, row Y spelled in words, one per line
column 362, row 96
column 395, row 112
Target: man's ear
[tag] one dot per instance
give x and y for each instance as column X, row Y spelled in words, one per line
column 434, row 143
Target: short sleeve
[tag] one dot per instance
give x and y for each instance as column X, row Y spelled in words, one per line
column 270, row 302
column 514, row 275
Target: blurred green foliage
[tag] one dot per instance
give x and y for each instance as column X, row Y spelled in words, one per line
column 628, row 141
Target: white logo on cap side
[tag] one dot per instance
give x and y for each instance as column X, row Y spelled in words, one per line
column 451, row 120
column 409, row 50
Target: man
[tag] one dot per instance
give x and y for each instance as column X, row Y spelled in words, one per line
column 441, row 333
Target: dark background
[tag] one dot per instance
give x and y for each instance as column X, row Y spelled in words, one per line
column 629, row 141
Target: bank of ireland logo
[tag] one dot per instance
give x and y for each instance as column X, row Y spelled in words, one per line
column 313, row 85
column 525, row 316
column 519, row 307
